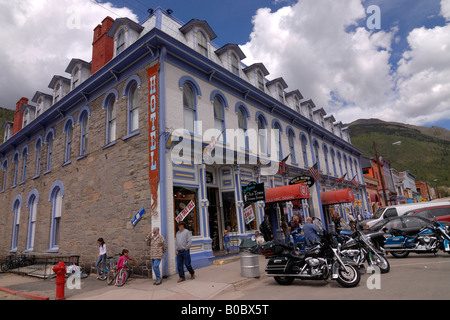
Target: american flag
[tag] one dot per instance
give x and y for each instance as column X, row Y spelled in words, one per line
column 314, row 171
column 355, row 183
column 341, row 178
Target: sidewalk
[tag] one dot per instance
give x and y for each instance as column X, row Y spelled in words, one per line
column 223, row 275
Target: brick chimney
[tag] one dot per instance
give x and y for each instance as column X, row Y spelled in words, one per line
column 18, row 117
column 102, row 45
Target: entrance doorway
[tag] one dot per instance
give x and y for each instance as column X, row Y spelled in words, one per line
column 215, row 219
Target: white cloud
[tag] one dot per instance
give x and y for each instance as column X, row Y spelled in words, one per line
column 40, row 37
column 320, row 50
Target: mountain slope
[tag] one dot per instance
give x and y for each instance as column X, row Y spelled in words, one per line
column 425, row 152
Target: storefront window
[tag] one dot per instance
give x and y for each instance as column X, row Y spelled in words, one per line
column 186, row 208
column 229, row 211
column 250, row 217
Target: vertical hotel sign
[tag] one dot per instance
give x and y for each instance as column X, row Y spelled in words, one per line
column 153, row 141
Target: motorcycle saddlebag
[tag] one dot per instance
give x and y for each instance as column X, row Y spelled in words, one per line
column 271, row 248
column 394, row 242
column 277, row 265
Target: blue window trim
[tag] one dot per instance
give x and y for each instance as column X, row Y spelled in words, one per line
column 290, row 132
column 133, row 81
column 111, row 94
column 218, row 94
column 38, row 149
column 5, row 167
column 57, row 186
column 49, row 138
column 33, row 198
column 16, row 167
column 333, row 160
column 197, row 93
column 68, row 129
column 241, row 106
column 85, row 112
column 304, row 144
column 24, row 166
column 276, row 124
column 16, row 205
column 260, row 115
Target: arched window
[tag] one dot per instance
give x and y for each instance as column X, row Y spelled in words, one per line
column 242, row 124
column 333, row 161
column 189, row 107
column 304, row 144
column 56, row 195
column 291, row 142
column 68, row 129
column 111, row 119
column 38, row 148
column 5, row 170
column 325, row 155
column 49, row 140
column 133, row 109
column 24, row 167
column 32, row 203
column 219, row 120
column 17, row 205
column 276, row 126
column 262, row 135
column 84, row 134
column 316, row 153
column 16, row 168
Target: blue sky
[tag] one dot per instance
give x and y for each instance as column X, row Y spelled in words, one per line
column 400, row 72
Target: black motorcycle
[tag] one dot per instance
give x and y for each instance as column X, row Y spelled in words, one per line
column 318, row 262
column 358, row 247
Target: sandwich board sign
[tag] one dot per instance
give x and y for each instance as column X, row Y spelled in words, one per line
column 137, row 216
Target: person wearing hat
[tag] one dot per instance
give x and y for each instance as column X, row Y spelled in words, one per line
column 183, row 242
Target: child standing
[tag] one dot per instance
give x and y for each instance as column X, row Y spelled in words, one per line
column 102, row 252
column 226, row 241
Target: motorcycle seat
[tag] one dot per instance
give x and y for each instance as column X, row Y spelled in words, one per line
column 296, row 256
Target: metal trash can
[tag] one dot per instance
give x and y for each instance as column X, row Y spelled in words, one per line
column 249, row 265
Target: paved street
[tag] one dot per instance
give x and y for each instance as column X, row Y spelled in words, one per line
column 416, row 277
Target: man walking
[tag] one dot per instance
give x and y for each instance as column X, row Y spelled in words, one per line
column 183, row 242
column 158, row 247
column 266, row 229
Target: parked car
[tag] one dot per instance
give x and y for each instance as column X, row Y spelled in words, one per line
column 397, row 210
column 409, row 224
column 441, row 213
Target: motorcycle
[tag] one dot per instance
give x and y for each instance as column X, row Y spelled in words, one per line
column 318, row 262
column 358, row 247
column 429, row 239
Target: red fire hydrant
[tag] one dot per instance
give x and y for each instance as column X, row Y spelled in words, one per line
column 60, row 270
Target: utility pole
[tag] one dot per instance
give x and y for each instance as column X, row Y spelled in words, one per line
column 379, row 173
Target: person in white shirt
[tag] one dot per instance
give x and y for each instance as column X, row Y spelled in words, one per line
column 102, row 251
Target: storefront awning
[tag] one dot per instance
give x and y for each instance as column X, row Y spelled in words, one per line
column 338, row 196
column 287, row 193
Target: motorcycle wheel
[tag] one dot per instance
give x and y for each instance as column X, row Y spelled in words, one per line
column 284, row 281
column 400, row 254
column 382, row 263
column 349, row 276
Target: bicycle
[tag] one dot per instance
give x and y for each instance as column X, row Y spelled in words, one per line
column 123, row 274
column 105, row 269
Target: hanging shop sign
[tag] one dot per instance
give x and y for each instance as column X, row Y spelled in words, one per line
column 249, row 215
column 253, row 192
column 153, row 139
column 306, row 179
column 185, row 211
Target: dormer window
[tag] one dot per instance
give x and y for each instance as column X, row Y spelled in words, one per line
column 75, row 78
column 280, row 93
column 120, row 42
column 40, row 107
column 202, row 44
column 234, row 64
column 57, row 93
column 297, row 104
column 260, row 80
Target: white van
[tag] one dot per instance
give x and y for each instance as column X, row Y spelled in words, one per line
column 396, row 210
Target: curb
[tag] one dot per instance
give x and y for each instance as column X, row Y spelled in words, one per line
column 26, row 295
column 225, row 261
